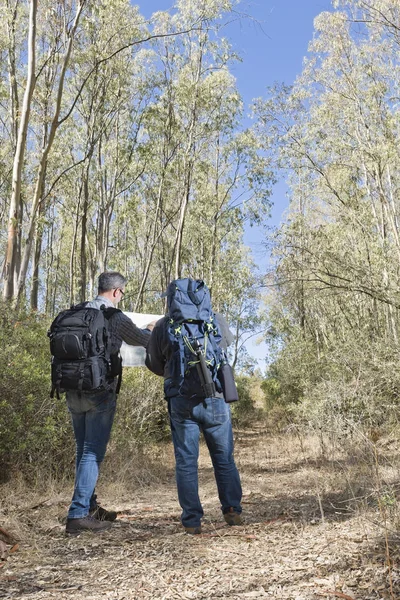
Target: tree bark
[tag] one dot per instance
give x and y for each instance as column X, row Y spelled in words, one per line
column 14, row 223
column 43, row 161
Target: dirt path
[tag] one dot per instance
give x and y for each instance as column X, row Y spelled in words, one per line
column 303, row 539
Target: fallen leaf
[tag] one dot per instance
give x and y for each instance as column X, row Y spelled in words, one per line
column 276, row 520
column 255, row 594
column 6, row 537
column 3, row 550
column 335, row 594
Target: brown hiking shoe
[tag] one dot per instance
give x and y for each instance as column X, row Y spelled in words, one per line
column 193, row 530
column 101, row 514
column 77, row 526
column 233, row 518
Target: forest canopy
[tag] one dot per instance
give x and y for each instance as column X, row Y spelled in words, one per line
column 123, row 147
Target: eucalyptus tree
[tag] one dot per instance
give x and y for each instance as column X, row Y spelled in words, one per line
column 335, row 134
column 13, row 17
column 67, row 41
column 20, row 128
column 342, row 153
column 68, row 17
column 205, row 175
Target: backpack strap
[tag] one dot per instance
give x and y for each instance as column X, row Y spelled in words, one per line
column 81, row 376
column 54, row 389
column 109, row 311
column 211, row 329
column 119, row 378
column 176, row 331
column 56, row 386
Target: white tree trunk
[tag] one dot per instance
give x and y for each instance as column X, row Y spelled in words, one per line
column 14, row 222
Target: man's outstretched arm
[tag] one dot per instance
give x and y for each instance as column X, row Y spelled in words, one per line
column 130, row 333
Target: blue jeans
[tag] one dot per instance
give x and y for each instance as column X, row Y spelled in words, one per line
column 92, row 417
column 212, row 417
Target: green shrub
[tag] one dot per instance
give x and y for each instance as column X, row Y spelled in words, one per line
column 243, row 412
column 142, row 414
column 34, row 429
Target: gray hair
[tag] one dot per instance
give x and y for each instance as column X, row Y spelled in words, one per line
column 111, row 280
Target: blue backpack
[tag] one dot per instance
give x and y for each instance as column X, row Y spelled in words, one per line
column 194, row 336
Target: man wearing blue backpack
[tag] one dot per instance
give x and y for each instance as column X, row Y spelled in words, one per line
column 187, row 348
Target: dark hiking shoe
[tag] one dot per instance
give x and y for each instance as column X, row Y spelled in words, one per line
column 233, row 518
column 77, row 526
column 193, row 530
column 101, row 514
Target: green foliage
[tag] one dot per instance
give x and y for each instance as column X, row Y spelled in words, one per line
column 272, row 390
column 35, row 432
column 281, row 388
column 142, row 415
column 335, row 310
column 244, row 412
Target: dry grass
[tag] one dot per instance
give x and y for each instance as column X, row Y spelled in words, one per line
column 316, row 526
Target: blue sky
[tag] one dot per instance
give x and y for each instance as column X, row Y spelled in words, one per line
column 272, row 44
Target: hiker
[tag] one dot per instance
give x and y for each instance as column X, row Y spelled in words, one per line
column 95, row 329
column 186, row 348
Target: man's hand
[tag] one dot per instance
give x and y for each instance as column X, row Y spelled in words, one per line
column 150, row 326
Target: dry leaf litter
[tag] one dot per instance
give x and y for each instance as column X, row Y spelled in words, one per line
column 303, row 539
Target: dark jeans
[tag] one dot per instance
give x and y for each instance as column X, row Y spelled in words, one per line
column 92, row 417
column 212, row 417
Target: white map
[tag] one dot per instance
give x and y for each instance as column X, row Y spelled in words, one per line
column 134, row 356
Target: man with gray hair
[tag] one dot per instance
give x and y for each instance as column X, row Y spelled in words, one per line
column 92, row 412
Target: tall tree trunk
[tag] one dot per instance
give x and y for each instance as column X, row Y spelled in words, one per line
column 49, row 264
column 73, row 249
column 36, row 261
column 179, row 233
column 188, row 165
column 53, row 304
column 14, row 96
column 214, row 241
column 151, row 246
column 14, row 223
column 83, row 258
column 43, row 161
column 38, row 243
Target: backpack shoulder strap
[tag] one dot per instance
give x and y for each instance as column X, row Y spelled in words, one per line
column 213, row 333
column 79, row 306
column 175, row 331
column 109, row 311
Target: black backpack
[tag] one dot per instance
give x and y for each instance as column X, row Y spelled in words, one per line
column 80, row 344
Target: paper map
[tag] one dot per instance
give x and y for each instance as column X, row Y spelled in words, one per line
column 134, row 356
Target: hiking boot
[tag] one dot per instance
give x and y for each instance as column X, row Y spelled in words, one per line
column 76, row 526
column 233, row 518
column 101, row 514
column 193, row 530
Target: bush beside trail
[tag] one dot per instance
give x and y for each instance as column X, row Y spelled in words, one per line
column 35, row 431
